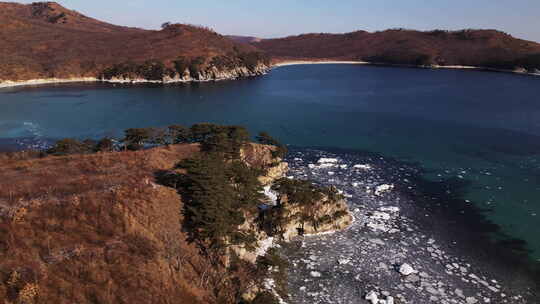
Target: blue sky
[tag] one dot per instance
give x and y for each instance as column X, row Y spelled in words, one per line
column 277, row 18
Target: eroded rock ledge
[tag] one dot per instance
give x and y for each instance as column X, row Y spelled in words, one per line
column 328, row 213
column 209, row 74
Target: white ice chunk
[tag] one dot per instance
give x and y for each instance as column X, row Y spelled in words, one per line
column 328, row 160
column 406, row 269
column 379, row 190
column 363, row 167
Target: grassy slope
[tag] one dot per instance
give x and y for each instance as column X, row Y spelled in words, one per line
column 474, row 47
column 47, row 40
column 96, row 229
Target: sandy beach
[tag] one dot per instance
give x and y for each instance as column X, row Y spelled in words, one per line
column 306, row 62
column 451, row 67
column 10, row 84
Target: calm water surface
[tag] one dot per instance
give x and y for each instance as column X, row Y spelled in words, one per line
column 483, row 128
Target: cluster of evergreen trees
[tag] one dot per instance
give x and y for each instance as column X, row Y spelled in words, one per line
column 219, row 189
column 213, row 138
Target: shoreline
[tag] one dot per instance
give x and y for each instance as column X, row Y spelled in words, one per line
column 433, row 67
column 50, row 81
column 46, row 81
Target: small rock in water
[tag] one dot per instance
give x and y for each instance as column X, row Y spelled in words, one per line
column 406, row 270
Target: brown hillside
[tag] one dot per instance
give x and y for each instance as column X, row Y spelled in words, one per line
column 97, row 229
column 488, row 48
column 44, row 39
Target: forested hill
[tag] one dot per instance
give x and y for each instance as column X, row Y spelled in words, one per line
column 44, row 40
column 487, row 48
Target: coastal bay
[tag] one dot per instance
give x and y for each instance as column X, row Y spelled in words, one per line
column 449, row 123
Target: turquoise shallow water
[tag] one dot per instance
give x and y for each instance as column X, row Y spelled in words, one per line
column 477, row 126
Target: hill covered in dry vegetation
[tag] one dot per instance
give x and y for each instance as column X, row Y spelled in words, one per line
column 481, row 48
column 46, row 40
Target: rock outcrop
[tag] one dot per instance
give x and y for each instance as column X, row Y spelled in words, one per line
column 327, row 215
column 211, row 73
column 331, row 216
column 261, row 156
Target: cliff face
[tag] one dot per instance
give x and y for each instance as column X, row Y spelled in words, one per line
column 210, row 73
column 325, row 215
column 260, row 156
column 329, row 215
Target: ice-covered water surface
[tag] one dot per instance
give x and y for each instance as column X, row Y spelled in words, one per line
column 25, row 135
column 387, row 255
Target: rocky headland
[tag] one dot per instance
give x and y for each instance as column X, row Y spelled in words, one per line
column 80, row 225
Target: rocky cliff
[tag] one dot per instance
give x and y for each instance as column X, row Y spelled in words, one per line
column 210, row 73
column 328, row 213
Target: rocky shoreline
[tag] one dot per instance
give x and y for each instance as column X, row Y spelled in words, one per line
column 238, row 73
column 277, row 169
column 213, row 74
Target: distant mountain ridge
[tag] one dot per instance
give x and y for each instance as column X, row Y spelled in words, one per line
column 46, row 40
column 482, row 48
column 244, row 39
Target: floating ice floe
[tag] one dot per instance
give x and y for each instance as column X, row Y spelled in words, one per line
column 363, row 167
column 327, row 160
column 372, row 297
column 381, row 220
column 392, row 209
column 379, row 190
column 406, row 269
column 315, row 274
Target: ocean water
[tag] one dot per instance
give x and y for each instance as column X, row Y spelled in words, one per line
column 480, row 130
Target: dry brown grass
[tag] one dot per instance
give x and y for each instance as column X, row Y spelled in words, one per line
column 31, row 46
column 470, row 47
column 97, row 229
